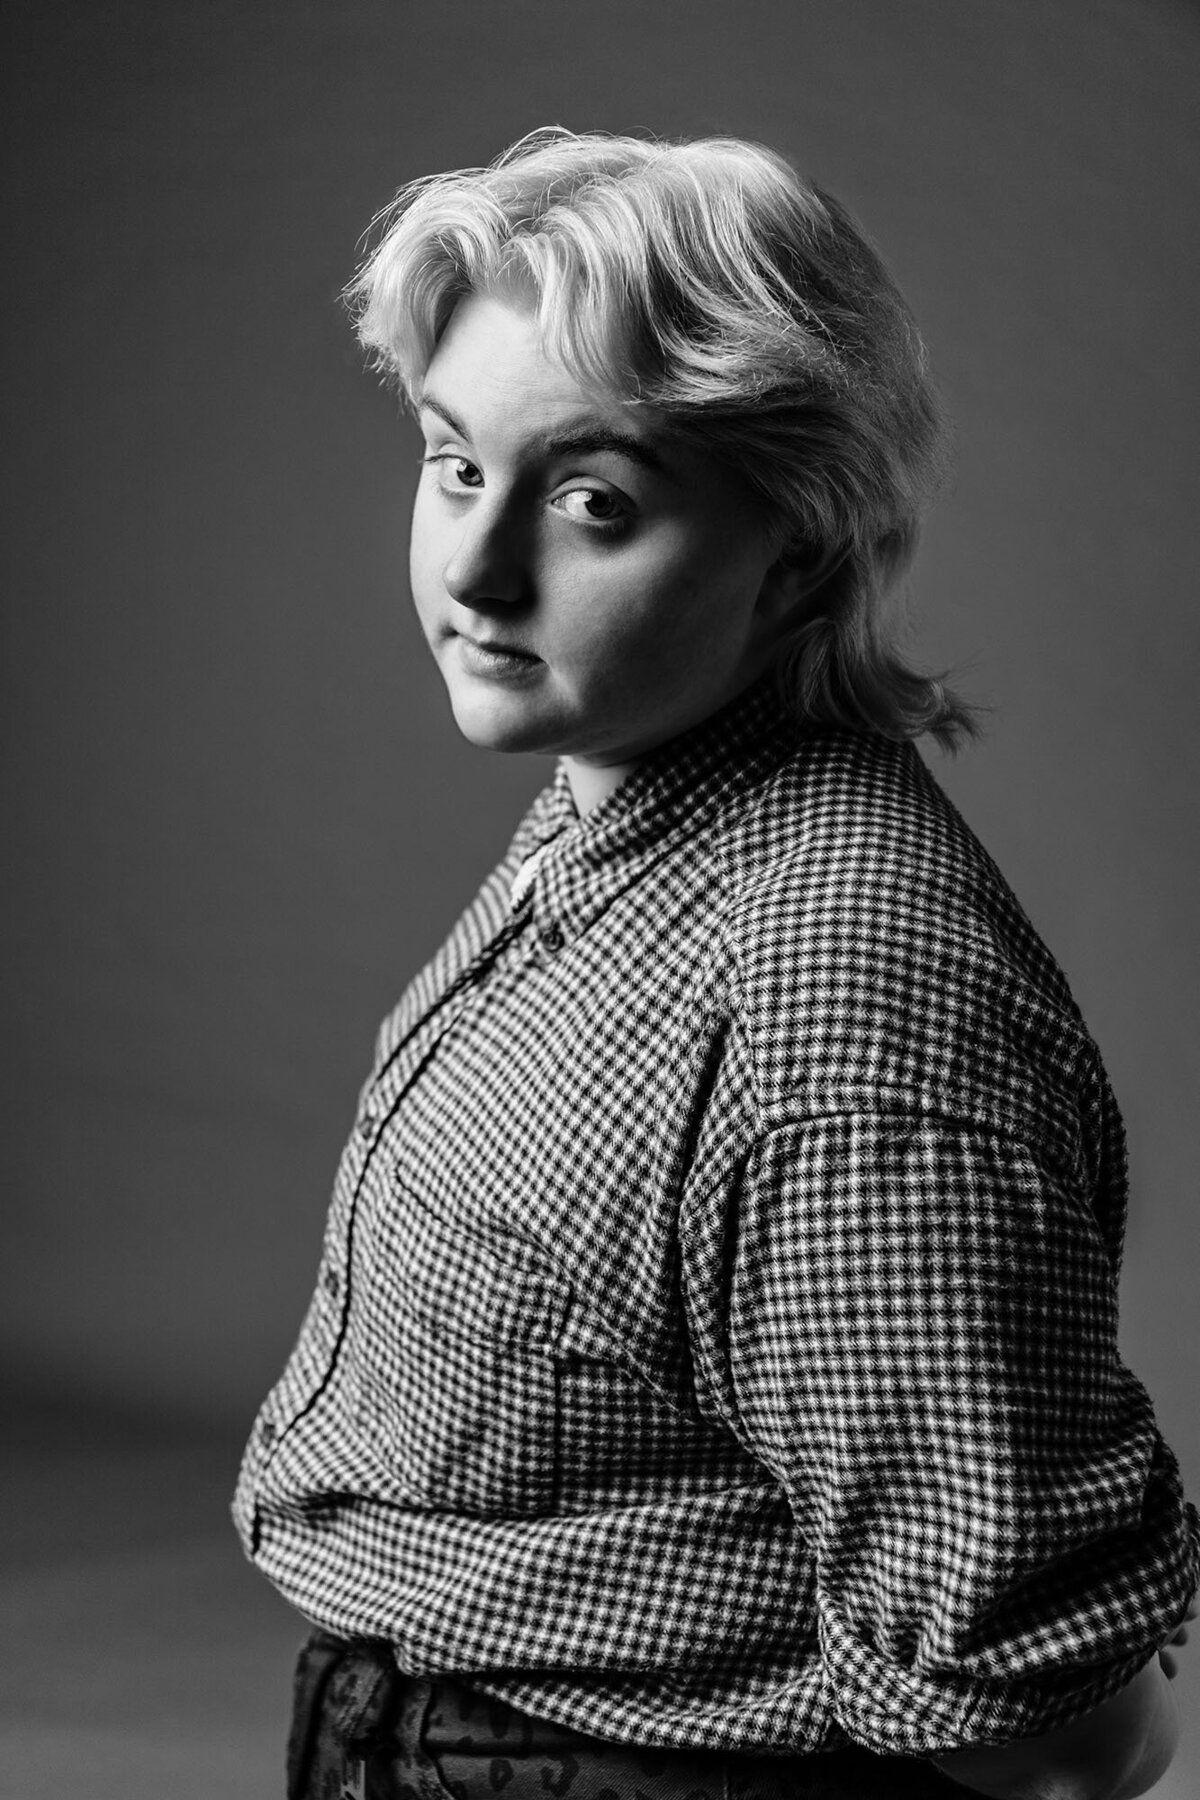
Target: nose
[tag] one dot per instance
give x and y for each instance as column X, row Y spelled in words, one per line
column 488, row 563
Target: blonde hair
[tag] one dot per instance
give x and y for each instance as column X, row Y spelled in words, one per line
column 707, row 280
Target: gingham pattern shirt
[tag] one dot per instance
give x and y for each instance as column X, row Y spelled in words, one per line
column 715, row 1338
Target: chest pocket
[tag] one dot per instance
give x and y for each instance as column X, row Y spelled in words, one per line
column 452, row 1351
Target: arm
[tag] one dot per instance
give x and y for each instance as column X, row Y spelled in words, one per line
column 921, row 1343
column 1115, row 1752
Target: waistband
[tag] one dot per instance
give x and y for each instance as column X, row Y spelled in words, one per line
column 363, row 1730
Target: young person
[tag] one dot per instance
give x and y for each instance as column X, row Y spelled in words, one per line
column 711, row 1381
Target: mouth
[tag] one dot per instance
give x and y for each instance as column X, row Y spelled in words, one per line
column 498, row 647
column 494, row 656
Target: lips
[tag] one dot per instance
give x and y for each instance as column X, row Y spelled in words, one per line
column 494, row 660
column 498, row 648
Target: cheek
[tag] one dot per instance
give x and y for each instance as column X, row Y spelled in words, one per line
column 700, row 607
column 423, row 561
column 650, row 634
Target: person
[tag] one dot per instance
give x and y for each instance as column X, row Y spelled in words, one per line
column 711, row 1382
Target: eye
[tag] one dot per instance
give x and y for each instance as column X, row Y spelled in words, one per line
column 454, row 473
column 590, row 505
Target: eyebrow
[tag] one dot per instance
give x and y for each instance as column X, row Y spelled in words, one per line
column 588, row 440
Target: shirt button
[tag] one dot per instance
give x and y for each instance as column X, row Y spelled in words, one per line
column 332, row 1284
column 366, row 1128
column 268, row 1431
column 552, row 937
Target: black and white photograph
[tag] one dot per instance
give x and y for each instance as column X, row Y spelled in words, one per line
column 600, row 799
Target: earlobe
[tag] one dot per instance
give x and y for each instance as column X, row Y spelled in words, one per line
column 790, row 584
column 782, row 591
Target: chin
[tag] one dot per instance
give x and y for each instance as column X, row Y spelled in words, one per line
column 497, row 721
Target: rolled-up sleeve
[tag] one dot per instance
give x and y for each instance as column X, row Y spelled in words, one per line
column 919, row 1341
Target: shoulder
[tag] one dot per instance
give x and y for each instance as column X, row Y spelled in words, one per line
column 875, row 955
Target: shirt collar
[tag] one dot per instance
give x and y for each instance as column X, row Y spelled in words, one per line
column 671, row 794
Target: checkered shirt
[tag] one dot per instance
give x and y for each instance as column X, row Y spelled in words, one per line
column 715, row 1337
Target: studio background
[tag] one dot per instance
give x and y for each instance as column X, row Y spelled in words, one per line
column 236, row 813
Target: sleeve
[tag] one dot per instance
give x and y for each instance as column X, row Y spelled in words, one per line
column 918, row 1338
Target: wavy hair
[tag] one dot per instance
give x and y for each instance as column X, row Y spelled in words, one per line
column 707, row 280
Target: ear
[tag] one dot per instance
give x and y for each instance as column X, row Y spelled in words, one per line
column 788, row 588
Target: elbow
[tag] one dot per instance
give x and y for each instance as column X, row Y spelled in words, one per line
column 1049, row 1783
column 1136, row 1777
column 1117, row 1752
column 1148, row 1763
column 1124, row 1764
column 1127, row 1784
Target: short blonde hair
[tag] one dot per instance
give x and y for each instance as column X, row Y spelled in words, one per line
column 707, row 280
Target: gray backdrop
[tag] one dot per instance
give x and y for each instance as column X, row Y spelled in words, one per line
column 235, row 811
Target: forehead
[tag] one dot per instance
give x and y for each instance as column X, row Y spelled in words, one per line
column 491, row 363
column 493, row 382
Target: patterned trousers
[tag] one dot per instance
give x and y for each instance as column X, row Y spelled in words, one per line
column 363, row 1731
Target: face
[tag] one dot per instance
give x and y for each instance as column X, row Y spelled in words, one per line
column 587, row 587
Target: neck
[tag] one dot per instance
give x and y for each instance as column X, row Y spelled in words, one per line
column 591, row 784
